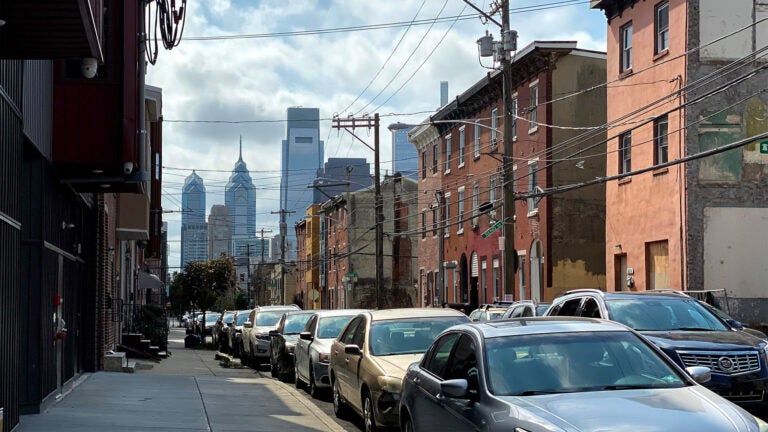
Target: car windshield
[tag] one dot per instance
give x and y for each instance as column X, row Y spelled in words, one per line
column 295, row 323
column 541, row 308
column 330, row 327
column 574, row 362
column 663, row 314
column 211, row 318
column 228, row 317
column 242, row 317
column 410, row 335
column 268, row 318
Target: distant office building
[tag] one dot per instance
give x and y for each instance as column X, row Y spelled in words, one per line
column 240, row 198
column 303, row 156
column 194, row 232
column 405, row 160
column 219, row 232
column 332, row 179
column 443, row 93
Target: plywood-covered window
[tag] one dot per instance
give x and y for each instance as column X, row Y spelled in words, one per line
column 657, row 264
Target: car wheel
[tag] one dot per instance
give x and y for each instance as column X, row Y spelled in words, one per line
column 407, row 424
column 339, row 408
column 369, row 416
column 313, row 390
column 298, row 382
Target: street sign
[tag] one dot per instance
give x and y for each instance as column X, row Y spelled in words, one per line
column 764, row 147
column 491, row 229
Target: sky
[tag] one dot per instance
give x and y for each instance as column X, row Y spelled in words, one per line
column 391, row 70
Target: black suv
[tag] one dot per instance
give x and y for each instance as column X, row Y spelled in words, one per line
column 686, row 331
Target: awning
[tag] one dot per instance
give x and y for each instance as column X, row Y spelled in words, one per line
column 148, row 280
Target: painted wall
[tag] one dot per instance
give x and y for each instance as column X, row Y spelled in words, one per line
column 644, row 208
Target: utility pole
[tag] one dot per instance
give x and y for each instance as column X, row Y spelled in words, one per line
column 248, row 264
column 503, row 52
column 260, row 294
column 349, row 124
column 283, row 234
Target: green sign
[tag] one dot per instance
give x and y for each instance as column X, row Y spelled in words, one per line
column 764, row 147
column 351, row 275
column 491, row 229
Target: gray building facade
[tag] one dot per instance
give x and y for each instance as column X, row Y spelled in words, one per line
column 219, row 232
column 405, row 160
column 194, row 230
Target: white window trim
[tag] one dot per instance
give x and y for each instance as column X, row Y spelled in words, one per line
column 447, row 152
column 535, row 211
column 514, row 116
column 460, row 204
column 494, row 135
column 476, row 139
column 534, row 127
column 462, row 149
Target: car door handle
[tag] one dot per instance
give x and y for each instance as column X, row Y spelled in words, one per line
column 417, row 380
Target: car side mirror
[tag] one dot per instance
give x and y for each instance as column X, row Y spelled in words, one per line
column 455, row 388
column 307, row 336
column 735, row 324
column 229, row 324
column 352, row 350
column 248, row 324
column 700, row 374
column 274, row 333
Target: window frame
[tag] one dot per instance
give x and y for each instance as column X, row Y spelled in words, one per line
column 423, row 164
column 661, row 140
column 447, row 215
column 626, row 33
column 513, row 109
column 423, row 224
column 476, row 139
column 533, row 114
column 625, row 152
column 448, row 154
column 661, row 34
column 475, row 203
column 533, row 182
column 434, row 158
column 462, row 145
column 494, row 127
column 460, row 210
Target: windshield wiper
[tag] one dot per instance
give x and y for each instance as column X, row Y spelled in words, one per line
column 537, row 392
column 627, row 387
column 694, row 329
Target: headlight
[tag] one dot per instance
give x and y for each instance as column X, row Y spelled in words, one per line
column 324, row 357
column 390, row 384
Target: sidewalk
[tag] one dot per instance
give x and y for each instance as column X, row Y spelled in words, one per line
column 189, row 391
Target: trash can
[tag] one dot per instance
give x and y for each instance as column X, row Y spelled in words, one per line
column 190, row 341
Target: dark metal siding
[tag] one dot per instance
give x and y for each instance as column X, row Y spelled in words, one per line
column 38, row 103
column 10, row 238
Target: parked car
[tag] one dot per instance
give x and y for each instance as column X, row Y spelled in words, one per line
column 525, row 308
column 735, row 324
column 487, row 313
column 559, row 374
column 283, row 341
column 313, row 350
column 206, row 329
column 255, row 335
column 236, row 332
column 689, row 333
column 221, row 325
column 369, row 358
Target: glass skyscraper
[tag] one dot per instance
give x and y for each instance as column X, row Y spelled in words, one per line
column 303, row 155
column 240, row 199
column 405, row 160
column 194, row 230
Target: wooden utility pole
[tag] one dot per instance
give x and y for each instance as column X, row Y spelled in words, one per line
column 260, row 293
column 283, row 234
column 349, row 124
column 510, row 253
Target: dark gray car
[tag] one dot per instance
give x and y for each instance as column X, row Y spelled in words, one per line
column 559, row 374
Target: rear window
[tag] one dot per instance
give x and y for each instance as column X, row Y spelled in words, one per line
column 662, row 314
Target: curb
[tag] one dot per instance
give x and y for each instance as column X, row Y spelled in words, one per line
column 319, row 414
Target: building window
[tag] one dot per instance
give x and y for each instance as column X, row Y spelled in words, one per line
column 521, row 274
column 496, row 279
column 434, row 221
column 447, row 216
column 476, row 139
column 657, row 264
column 625, row 152
column 483, row 281
column 434, row 158
column 626, row 48
column 661, row 140
column 461, row 146
column 492, row 194
column 424, row 224
column 460, row 215
column 424, row 164
column 534, row 114
column 662, row 27
column 475, row 203
column 533, row 183
column 494, row 126
column 513, row 108
column 448, row 154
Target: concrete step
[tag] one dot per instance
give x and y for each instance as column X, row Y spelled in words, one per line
column 162, row 354
column 130, row 367
column 115, row 361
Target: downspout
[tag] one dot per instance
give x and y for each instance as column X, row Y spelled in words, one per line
column 682, row 171
column 141, row 80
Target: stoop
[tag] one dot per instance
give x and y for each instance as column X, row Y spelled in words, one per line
column 115, row 361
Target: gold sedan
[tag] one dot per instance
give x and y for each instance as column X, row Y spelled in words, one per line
column 370, row 356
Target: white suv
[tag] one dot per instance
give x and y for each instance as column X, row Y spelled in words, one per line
column 256, row 341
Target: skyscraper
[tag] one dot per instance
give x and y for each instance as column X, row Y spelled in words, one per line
column 303, row 156
column 337, row 171
column 405, row 160
column 194, row 231
column 240, row 198
column 219, row 232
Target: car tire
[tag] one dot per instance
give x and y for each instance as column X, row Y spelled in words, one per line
column 339, row 408
column 369, row 415
column 313, row 390
column 298, row 382
column 407, row 424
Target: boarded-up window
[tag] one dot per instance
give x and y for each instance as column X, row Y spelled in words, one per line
column 657, row 264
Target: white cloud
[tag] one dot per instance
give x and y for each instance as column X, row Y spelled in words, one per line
column 259, row 78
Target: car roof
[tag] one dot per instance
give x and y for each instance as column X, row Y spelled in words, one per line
column 299, row 312
column 541, row 325
column 277, row 308
column 339, row 312
column 388, row 314
column 668, row 294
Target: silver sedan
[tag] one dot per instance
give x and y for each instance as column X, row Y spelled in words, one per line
column 545, row 374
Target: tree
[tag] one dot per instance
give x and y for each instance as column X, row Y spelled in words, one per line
column 202, row 285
